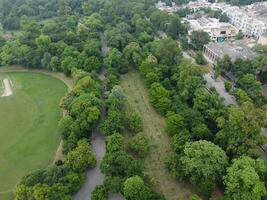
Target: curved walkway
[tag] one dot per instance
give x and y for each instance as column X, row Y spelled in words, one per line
column 94, row 176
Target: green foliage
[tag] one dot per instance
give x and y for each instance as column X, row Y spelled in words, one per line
column 175, row 123
column 160, row 97
column 133, row 53
column 228, row 86
column 244, row 179
column 199, row 39
column 99, row 193
column 115, row 60
column 200, row 59
column 139, row 144
column 166, row 51
column 114, row 143
column 135, row 189
column 113, row 184
column 252, row 86
column 240, row 132
column 203, row 163
column 81, row 158
column 134, row 122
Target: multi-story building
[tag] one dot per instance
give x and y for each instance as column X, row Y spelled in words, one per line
column 236, row 49
column 218, row 31
column 251, row 20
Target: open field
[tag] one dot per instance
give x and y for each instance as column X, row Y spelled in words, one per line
column 29, row 132
column 154, row 127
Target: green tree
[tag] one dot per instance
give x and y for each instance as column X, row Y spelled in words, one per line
column 240, row 132
column 199, row 39
column 134, row 122
column 166, row 51
column 133, row 53
column 139, row 144
column 175, row 123
column 99, row 193
column 135, row 189
column 204, row 164
column 244, row 179
column 200, row 59
column 82, row 157
column 160, row 97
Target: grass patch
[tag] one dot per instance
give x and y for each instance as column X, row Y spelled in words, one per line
column 154, row 127
column 29, row 132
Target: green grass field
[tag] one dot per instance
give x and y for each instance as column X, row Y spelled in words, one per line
column 154, row 127
column 29, row 132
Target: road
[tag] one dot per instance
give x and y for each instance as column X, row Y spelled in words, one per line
column 218, row 84
column 94, row 176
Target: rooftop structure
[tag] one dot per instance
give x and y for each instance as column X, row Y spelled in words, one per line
column 252, row 19
column 218, row 31
column 262, row 39
column 238, row 49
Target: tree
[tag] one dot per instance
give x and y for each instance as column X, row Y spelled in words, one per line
column 203, row 163
column 81, row 158
column 166, row 51
column 200, row 59
column 134, row 189
column 139, row 144
column 244, row 179
column 188, row 79
column 120, row 164
column 113, row 122
column 160, row 97
column 116, row 61
column 134, row 122
column 85, row 110
column 209, row 103
column 175, row 28
column 252, row 86
column 224, row 65
column 199, row 39
column 133, row 53
column 67, row 64
column 240, row 132
column 228, row 86
column 175, row 123
column 240, row 35
column 114, row 143
column 99, row 193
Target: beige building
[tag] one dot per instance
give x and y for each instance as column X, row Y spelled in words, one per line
column 238, row 49
column 218, row 31
column 263, row 39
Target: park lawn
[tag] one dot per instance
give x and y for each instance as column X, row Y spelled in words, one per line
column 29, row 133
column 154, row 127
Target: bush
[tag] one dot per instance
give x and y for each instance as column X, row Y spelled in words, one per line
column 113, row 184
column 228, row 86
column 139, row 144
column 82, row 157
column 99, row 193
column 134, row 122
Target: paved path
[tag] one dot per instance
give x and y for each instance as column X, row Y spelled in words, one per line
column 94, row 176
column 219, row 86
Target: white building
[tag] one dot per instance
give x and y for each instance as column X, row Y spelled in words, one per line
column 251, row 20
column 218, row 31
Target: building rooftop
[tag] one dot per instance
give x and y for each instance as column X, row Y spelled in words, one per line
column 203, row 23
column 237, row 49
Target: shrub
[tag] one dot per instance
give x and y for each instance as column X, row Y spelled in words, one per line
column 139, row 144
column 99, row 193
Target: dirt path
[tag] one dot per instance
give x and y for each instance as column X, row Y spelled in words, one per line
column 154, row 127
